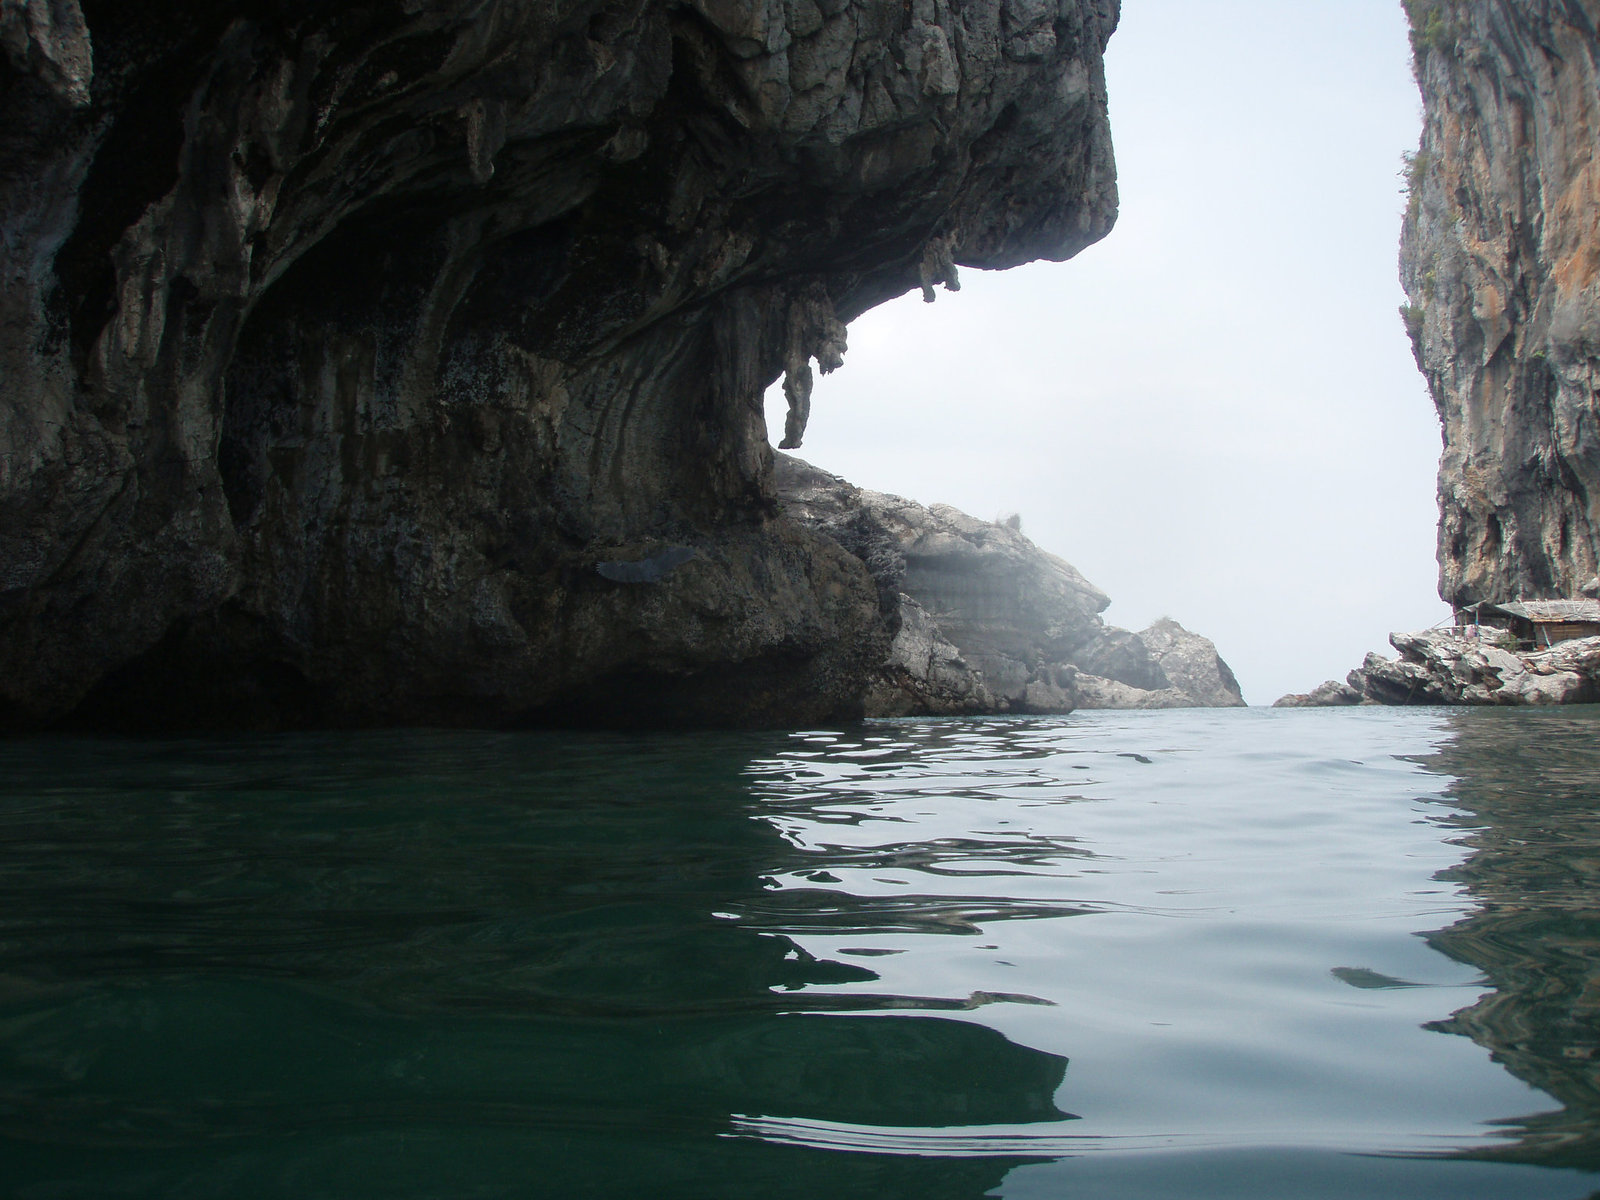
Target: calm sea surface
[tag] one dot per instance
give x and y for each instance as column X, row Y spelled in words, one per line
column 1189, row 954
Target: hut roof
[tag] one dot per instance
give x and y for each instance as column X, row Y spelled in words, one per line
column 1543, row 611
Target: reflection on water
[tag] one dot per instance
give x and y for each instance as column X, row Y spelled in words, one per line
column 392, row 964
column 922, row 959
column 1529, row 785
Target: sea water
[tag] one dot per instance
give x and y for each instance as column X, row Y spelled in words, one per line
column 1235, row 953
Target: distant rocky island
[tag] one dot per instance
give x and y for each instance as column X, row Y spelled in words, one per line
column 984, row 621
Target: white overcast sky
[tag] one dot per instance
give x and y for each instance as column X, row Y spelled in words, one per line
column 1214, row 413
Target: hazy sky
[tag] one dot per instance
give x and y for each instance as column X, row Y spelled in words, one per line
column 1214, row 413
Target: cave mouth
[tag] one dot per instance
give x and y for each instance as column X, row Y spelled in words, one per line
column 222, row 673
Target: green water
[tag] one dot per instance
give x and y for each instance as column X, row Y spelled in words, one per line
column 1209, row 954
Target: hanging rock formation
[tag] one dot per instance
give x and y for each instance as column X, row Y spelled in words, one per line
column 1501, row 263
column 353, row 352
column 984, row 621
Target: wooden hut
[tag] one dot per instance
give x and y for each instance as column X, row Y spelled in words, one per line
column 1543, row 623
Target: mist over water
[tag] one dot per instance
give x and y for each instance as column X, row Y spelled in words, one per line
column 1198, row 953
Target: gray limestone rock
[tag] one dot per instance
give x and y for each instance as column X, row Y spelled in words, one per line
column 1097, row 692
column 925, row 674
column 48, row 40
column 1442, row 666
column 1192, row 665
column 340, row 342
column 1120, row 655
column 1333, row 693
column 988, row 622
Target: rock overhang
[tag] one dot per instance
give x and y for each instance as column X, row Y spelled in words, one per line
column 345, row 342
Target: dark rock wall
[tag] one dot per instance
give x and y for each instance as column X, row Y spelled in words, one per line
column 340, row 343
column 1501, row 263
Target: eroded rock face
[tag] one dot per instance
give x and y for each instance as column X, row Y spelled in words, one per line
column 1501, row 262
column 984, row 621
column 342, row 342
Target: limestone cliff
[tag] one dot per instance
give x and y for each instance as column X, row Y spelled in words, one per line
column 403, row 361
column 984, row 621
column 1501, row 263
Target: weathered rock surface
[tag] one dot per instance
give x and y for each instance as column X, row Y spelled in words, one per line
column 1191, row 664
column 1443, row 667
column 1501, row 263
column 985, row 621
column 341, row 343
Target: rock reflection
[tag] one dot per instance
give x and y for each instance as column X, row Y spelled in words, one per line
column 452, row 964
column 1529, row 785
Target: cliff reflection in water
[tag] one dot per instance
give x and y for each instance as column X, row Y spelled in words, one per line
column 1529, row 783
column 463, row 964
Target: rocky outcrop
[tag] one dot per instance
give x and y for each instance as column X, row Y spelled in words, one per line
column 984, row 621
column 1164, row 666
column 1191, row 664
column 345, row 345
column 1445, row 667
column 1501, row 264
